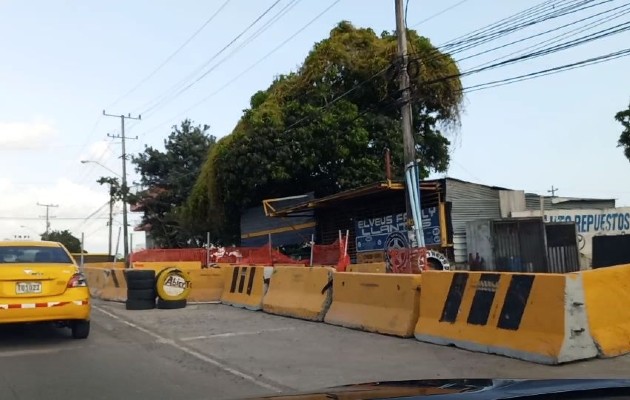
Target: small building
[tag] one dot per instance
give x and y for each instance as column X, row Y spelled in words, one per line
column 374, row 214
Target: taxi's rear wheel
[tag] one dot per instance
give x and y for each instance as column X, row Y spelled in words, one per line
column 80, row 329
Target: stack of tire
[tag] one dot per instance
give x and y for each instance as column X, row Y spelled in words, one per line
column 170, row 286
column 140, row 289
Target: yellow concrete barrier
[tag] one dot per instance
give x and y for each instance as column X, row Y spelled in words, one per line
column 607, row 296
column 299, row 292
column 534, row 317
column 96, row 280
column 162, row 265
column 383, row 303
column 373, row 268
column 244, row 286
column 115, row 287
column 206, row 285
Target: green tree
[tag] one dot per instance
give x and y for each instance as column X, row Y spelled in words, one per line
column 115, row 188
column 624, row 140
column 72, row 243
column 168, row 177
column 324, row 127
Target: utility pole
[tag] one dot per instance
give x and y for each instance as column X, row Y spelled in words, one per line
column 111, row 218
column 124, row 187
column 47, row 216
column 409, row 146
column 553, row 191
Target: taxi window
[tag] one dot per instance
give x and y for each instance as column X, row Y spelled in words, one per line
column 33, row 255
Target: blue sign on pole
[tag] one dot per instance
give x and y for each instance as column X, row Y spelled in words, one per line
column 372, row 233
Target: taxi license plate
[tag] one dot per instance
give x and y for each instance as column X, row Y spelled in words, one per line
column 28, row 287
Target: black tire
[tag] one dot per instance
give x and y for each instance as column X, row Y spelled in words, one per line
column 171, row 304
column 141, row 294
column 140, row 284
column 139, row 274
column 160, row 292
column 132, row 304
column 80, row 329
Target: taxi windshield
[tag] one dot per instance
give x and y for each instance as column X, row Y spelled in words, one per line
column 33, row 255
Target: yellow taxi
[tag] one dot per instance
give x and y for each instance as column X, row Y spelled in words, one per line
column 40, row 282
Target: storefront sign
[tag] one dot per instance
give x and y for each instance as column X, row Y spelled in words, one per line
column 372, row 233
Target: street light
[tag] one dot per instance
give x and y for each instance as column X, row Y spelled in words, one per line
column 98, row 163
column 111, row 200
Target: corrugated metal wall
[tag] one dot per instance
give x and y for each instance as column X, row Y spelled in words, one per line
column 532, row 202
column 562, row 251
column 469, row 202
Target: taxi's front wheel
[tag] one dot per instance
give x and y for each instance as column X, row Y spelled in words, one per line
column 80, row 329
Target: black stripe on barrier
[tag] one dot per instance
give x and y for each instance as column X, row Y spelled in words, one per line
column 250, row 282
column 115, row 279
column 484, row 297
column 241, row 282
column 454, row 297
column 515, row 302
column 234, row 279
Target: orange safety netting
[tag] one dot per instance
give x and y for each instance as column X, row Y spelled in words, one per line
column 233, row 255
column 171, row 255
column 332, row 254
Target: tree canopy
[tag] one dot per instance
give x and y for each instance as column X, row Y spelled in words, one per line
column 72, row 243
column 115, row 188
column 624, row 140
column 169, row 176
column 324, row 128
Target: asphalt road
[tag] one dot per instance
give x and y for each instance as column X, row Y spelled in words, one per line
column 219, row 352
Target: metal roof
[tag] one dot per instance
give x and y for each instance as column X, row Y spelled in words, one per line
column 366, row 190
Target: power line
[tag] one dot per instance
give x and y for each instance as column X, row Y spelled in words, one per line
column 247, row 41
column 173, row 54
column 251, row 67
column 540, row 11
column 549, row 71
column 594, row 23
column 429, row 18
column 180, row 91
column 501, row 31
column 604, row 33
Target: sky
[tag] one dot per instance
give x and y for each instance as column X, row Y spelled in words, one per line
column 65, row 61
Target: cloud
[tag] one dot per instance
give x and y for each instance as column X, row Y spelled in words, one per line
column 26, row 135
column 20, row 214
column 101, row 150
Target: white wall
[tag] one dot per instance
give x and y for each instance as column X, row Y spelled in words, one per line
column 590, row 223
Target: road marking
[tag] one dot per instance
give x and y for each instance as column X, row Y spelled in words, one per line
column 232, row 334
column 191, row 352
